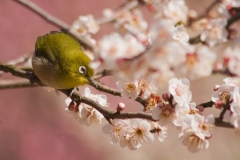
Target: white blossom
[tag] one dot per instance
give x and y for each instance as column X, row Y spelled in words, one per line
column 199, row 61
column 235, row 108
column 129, row 89
column 114, row 49
column 180, row 34
column 194, row 140
column 215, row 32
column 232, row 3
column 184, row 112
column 222, row 94
column 179, row 88
column 206, row 125
column 200, row 25
column 85, row 26
column 132, row 21
column 232, row 57
column 138, row 133
column 161, row 131
column 232, row 81
column 116, row 130
column 164, row 113
column 196, row 132
column 176, row 11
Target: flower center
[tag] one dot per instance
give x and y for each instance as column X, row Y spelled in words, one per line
column 204, row 127
column 166, row 112
column 116, row 129
column 112, row 50
column 224, row 97
column 139, row 132
column 191, row 59
column 152, row 103
column 215, row 32
column 130, row 87
column 192, row 111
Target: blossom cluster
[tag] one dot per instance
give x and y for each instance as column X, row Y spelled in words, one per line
column 85, row 114
column 228, row 95
column 146, row 58
column 174, row 109
column 195, row 129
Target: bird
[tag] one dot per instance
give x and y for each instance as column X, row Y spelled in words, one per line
column 60, row 62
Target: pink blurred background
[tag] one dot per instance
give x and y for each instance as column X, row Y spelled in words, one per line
column 33, row 124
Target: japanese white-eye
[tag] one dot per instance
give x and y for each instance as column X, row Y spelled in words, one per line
column 59, row 61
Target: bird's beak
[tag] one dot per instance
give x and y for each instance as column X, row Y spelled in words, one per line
column 92, row 81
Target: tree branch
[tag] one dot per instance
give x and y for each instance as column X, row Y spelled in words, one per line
column 15, row 71
column 125, row 7
column 233, row 19
column 10, row 84
column 55, row 21
column 115, row 92
column 102, row 74
column 82, row 99
column 106, row 113
column 20, row 60
column 223, row 71
column 206, row 12
column 206, row 104
column 221, row 123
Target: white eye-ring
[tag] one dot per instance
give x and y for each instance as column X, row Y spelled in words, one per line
column 82, row 69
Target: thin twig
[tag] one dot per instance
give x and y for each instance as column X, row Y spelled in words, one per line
column 195, row 40
column 106, row 113
column 102, row 74
column 225, row 108
column 11, row 84
column 233, row 19
column 115, row 92
column 55, row 21
column 20, row 60
column 223, row 71
column 15, row 71
column 206, row 12
column 130, row 5
column 221, row 123
column 207, row 104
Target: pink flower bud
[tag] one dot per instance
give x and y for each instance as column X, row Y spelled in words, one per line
column 216, row 87
column 219, row 104
column 209, row 137
column 200, row 108
column 218, row 66
column 120, row 107
column 165, row 96
column 73, row 107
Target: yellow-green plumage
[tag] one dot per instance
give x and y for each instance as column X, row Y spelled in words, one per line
column 57, row 59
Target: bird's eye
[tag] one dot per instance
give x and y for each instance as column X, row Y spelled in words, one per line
column 82, row 69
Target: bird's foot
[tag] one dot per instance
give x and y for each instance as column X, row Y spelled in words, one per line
column 69, row 92
column 35, row 80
